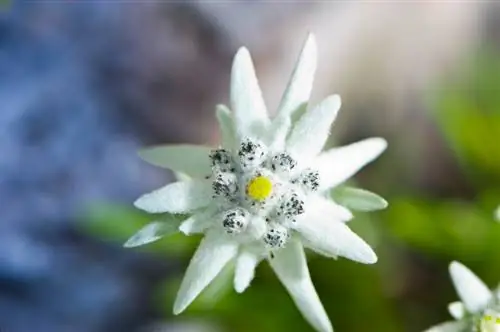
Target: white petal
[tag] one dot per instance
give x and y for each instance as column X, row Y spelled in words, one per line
column 192, row 160
column 319, row 206
column 311, row 131
column 339, row 164
column 246, row 263
column 358, row 199
column 456, row 310
column 325, row 234
column 153, row 231
column 198, row 222
column 298, row 91
column 210, row 258
column 250, row 115
column 290, row 266
column 474, row 294
column 226, row 126
column 178, row 197
column 458, row 326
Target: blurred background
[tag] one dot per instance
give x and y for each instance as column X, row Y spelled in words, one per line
column 83, row 85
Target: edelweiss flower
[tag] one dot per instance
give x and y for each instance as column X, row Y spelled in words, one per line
column 266, row 191
column 479, row 310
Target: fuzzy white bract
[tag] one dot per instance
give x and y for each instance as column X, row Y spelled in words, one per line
column 266, row 192
column 479, row 310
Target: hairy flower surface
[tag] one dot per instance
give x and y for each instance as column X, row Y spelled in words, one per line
column 266, row 192
column 479, row 310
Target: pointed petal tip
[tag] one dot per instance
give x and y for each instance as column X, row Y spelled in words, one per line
column 178, row 308
column 139, row 203
column 372, row 259
column 334, row 100
column 128, row 244
column 367, row 256
column 456, row 267
column 242, row 55
column 184, row 229
column 221, row 108
column 310, row 45
column 240, row 288
column 379, row 143
column 144, row 203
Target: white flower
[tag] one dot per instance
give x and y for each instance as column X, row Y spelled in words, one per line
column 266, row 192
column 479, row 309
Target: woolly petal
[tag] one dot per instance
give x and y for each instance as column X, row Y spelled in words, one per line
column 339, row 164
column 318, row 206
column 153, row 231
column 198, row 222
column 250, row 115
column 458, row 326
column 210, row 258
column 474, row 294
column 358, row 199
column 325, row 234
column 290, row 266
column 178, row 197
column 311, row 132
column 246, row 263
column 226, row 126
column 192, row 160
column 298, row 91
column 456, row 310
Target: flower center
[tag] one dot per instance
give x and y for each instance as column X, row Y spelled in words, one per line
column 490, row 322
column 259, row 188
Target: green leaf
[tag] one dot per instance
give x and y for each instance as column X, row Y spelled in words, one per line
column 167, row 225
column 358, row 199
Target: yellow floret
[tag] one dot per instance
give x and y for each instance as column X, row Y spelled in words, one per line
column 259, row 188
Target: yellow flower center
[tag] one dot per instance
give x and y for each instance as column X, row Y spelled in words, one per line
column 259, row 188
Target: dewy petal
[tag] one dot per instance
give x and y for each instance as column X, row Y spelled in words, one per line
column 226, row 126
column 198, row 222
column 192, row 160
column 474, row 294
column 456, row 310
column 246, row 263
column 328, row 235
column 210, row 258
column 339, row 164
column 457, row 326
column 298, row 91
column 250, row 114
column 177, row 197
column 290, row 266
column 311, row 131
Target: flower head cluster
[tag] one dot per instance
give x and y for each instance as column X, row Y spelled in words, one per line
column 479, row 310
column 266, row 192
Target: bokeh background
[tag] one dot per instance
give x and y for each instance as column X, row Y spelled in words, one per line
column 83, row 85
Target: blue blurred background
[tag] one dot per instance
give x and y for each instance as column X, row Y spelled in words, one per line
column 83, row 85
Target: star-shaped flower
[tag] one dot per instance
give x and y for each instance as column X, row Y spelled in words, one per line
column 266, row 192
column 479, row 310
